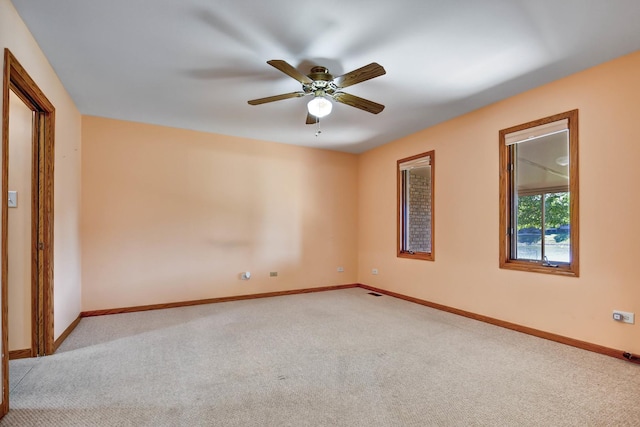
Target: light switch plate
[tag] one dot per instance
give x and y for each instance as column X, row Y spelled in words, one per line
column 13, row 199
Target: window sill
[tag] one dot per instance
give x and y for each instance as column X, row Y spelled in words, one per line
column 424, row 256
column 534, row 267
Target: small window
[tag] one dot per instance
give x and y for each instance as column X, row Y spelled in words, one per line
column 415, row 206
column 539, row 195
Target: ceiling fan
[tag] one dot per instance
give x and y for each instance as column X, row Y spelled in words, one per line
column 323, row 86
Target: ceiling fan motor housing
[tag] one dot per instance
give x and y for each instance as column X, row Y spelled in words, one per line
column 322, row 81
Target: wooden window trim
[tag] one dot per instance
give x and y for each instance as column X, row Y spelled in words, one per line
column 425, row 256
column 506, row 190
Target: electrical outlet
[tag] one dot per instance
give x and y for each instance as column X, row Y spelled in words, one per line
column 340, row 269
column 623, row 316
column 374, row 271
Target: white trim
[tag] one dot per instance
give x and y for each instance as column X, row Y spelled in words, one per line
column 536, row 132
column 415, row 163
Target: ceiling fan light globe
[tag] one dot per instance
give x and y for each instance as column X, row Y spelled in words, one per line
column 319, row 106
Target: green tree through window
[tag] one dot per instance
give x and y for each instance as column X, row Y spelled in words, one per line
column 539, row 231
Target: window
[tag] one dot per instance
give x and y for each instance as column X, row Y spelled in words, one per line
column 415, row 206
column 539, row 195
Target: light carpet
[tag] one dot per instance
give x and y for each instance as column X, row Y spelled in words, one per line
column 338, row 358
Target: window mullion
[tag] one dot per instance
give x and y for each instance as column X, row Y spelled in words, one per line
column 543, row 226
column 513, row 216
column 405, row 207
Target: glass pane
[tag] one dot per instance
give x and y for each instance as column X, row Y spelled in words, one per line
column 543, row 163
column 529, row 228
column 542, row 173
column 418, row 209
column 557, row 227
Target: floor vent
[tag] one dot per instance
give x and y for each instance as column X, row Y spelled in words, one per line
column 374, row 294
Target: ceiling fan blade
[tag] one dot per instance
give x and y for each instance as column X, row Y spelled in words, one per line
column 311, row 119
column 356, row 101
column 276, row 98
column 289, row 70
column 360, row 75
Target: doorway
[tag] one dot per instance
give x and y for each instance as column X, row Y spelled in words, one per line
column 22, row 299
column 17, row 84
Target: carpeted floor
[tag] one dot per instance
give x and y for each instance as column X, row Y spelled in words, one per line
column 339, row 358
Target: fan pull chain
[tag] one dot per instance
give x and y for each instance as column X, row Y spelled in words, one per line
column 318, row 130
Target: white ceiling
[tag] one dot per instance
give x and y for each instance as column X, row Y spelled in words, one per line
column 194, row 64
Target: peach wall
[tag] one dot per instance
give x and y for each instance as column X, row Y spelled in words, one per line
column 67, row 258
column 465, row 274
column 172, row 215
column 19, row 233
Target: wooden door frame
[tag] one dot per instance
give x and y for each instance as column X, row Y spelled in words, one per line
column 16, row 79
